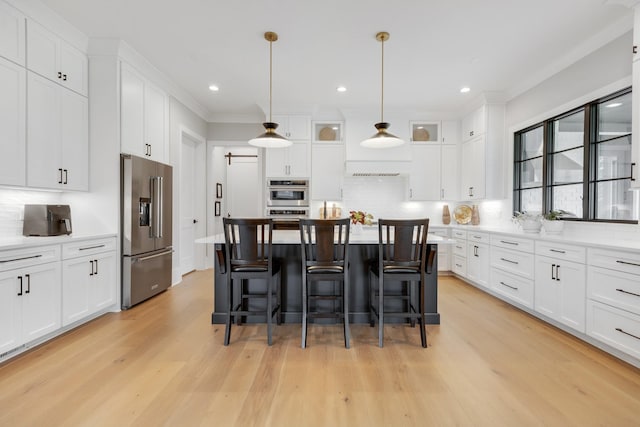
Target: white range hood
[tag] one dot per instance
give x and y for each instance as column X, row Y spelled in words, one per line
column 376, row 167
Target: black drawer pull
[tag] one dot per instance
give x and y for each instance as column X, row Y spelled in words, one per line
column 20, row 259
column 557, row 251
column 509, row 286
column 627, row 292
column 509, row 243
column 628, row 263
column 20, row 279
column 627, row 333
column 508, row 260
column 91, row 247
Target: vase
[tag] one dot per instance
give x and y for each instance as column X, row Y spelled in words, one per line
column 446, row 215
column 553, row 227
column 475, row 215
column 531, row 226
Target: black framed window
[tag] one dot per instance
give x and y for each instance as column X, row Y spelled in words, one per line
column 578, row 162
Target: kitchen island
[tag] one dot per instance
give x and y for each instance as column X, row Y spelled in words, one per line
column 363, row 247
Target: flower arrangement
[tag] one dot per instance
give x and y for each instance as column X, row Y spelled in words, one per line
column 556, row 215
column 531, row 222
column 360, row 217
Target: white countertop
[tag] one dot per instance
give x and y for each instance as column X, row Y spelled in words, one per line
column 369, row 235
column 16, row 242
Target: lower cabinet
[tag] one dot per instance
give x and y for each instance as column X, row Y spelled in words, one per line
column 444, row 251
column 88, row 285
column 560, row 291
column 29, row 300
column 478, row 258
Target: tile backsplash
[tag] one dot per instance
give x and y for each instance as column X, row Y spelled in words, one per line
column 12, row 208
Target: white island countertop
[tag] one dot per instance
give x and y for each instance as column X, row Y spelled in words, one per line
column 369, row 235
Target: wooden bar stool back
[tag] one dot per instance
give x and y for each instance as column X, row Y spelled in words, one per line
column 248, row 255
column 325, row 253
column 402, row 256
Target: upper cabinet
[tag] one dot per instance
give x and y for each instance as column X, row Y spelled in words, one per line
column 55, row 59
column 12, row 22
column 481, row 158
column 327, row 171
column 635, row 101
column 58, row 135
column 450, row 132
column 425, row 132
column 289, row 162
column 293, row 127
column 12, row 123
column 144, row 114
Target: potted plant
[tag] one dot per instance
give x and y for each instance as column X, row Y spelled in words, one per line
column 531, row 222
column 552, row 223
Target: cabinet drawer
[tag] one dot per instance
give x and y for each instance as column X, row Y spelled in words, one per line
column 88, row 247
column 442, row 232
column 18, row 258
column 459, row 234
column 474, row 236
column 561, row 251
column 460, row 248
column 513, row 287
column 459, row 265
column 520, row 263
column 515, row 243
column 616, row 260
column 614, row 288
column 614, row 327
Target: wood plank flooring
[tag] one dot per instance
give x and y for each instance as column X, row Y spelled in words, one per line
column 163, row 364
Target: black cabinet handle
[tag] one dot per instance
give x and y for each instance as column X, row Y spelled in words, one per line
column 627, row 292
column 508, row 260
column 508, row 286
column 91, row 262
column 632, row 165
column 553, row 268
column 628, row 263
column 635, row 50
column 28, row 276
column 20, row 279
column 60, row 180
column 558, row 272
column 627, row 333
column 557, row 251
column 96, row 264
column 64, row 77
column 59, row 75
column 66, row 176
column 508, row 243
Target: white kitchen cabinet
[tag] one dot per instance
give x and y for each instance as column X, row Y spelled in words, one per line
column 444, row 251
column 293, row 127
column 57, row 136
column 481, row 154
column 289, row 162
column 30, row 301
column 424, row 175
column 636, row 33
column 449, row 188
column 459, row 252
column 144, row 112
column 473, row 169
column 618, row 328
column 512, row 268
column 635, row 123
column 560, row 291
column 450, row 132
column 12, row 122
column 478, row 258
column 425, row 132
column 88, row 285
column 55, row 59
column 327, row 171
column 12, row 34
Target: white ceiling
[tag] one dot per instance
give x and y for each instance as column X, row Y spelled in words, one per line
column 436, row 47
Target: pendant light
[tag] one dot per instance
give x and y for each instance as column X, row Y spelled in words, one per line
column 270, row 139
column 382, row 138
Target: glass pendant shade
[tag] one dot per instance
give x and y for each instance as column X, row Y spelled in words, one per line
column 382, row 138
column 270, row 139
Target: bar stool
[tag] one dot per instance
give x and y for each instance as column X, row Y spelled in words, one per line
column 325, row 253
column 402, row 255
column 249, row 256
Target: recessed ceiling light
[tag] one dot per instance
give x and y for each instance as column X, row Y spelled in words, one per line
column 214, row 88
column 613, row 105
column 341, row 89
column 465, row 89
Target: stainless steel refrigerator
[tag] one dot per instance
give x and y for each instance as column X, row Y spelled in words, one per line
column 146, row 190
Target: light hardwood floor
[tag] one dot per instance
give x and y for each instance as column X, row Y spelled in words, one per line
column 163, row 363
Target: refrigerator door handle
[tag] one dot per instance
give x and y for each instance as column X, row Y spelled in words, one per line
column 155, row 255
column 159, row 205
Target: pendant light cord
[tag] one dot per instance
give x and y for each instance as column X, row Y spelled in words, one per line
column 270, row 77
column 382, row 85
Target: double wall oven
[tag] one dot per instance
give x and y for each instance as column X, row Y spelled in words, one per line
column 287, row 202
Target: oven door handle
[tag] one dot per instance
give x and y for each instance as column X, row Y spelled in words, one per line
column 288, row 188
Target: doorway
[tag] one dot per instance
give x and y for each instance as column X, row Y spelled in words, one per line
column 243, row 183
column 188, row 217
